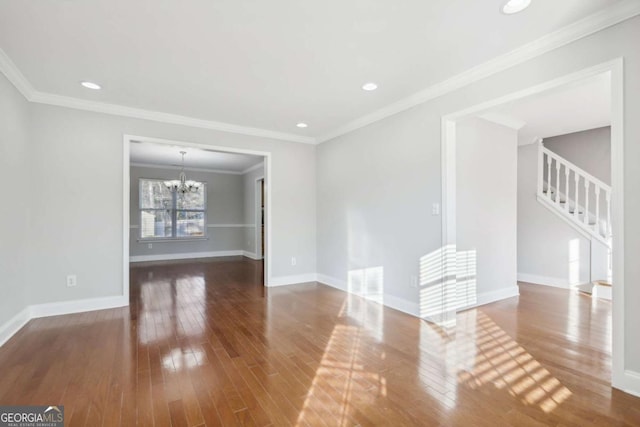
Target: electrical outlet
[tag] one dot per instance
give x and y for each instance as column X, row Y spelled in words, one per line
column 72, row 280
column 435, row 209
column 150, row 245
column 414, row 282
column 293, row 260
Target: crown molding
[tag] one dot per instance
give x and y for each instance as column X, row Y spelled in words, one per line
column 613, row 15
column 503, row 120
column 252, row 168
column 13, row 74
column 157, row 116
column 530, row 141
column 619, row 12
column 173, row 167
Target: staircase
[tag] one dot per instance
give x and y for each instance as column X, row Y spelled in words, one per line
column 581, row 200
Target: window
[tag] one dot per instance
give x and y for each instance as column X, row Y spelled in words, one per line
column 167, row 215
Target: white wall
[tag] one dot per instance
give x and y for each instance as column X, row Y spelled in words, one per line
column 589, row 150
column 225, row 206
column 550, row 252
column 251, row 240
column 486, row 204
column 71, row 146
column 375, row 188
column 376, row 184
column 14, row 212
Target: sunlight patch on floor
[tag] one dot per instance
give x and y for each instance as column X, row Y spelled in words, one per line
column 502, row 362
column 342, row 371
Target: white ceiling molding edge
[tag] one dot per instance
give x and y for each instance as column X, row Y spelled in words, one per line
column 252, row 168
column 9, row 69
column 156, row 116
column 606, row 18
column 591, row 24
column 14, row 75
column 534, row 140
column 503, row 120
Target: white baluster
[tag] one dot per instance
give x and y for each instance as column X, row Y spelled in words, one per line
column 609, row 228
column 596, row 227
column 585, row 218
column 566, row 188
column 548, row 176
column 575, row 202
column 540, row 169
column 557, row 183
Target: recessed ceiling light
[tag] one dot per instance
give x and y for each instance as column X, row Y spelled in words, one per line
column 302, row 125
column 369, row 86
column 91, row 85
column 515, row 6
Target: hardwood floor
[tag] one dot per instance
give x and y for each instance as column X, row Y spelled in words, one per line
column 203, row 343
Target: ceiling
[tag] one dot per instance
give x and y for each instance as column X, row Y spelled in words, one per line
column 573, row 108
column 148, row 153
column 264, row 64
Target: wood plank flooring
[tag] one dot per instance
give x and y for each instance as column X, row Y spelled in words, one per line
column 204, row 343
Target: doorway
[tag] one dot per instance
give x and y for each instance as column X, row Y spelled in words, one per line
column 212, row 223
column 613, row 70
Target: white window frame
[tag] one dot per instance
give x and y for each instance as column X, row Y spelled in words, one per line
column 174, row 214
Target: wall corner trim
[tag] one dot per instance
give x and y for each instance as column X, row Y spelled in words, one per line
column 77, row 306
column 251, row 255
column 291, row 280
column 17, row 322
column 631, row 383
column 409, row 307
column 13, row 325
column 556, row 282
column 493, row 296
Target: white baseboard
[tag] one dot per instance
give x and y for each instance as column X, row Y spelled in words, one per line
column 493, row 296
column 76, row 306
column 55, row 309
column 556, row 282
column 333, row 282
column 186, row 255
column 401, row 304
column 291, row 280
column 13, row 325
column 413, row 308
column 251, row 255
column 631, row 383
column 390, row 301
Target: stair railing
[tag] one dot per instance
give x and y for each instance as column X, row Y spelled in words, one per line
column 574, row 193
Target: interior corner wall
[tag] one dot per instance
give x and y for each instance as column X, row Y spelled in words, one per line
column 486, row 211
column 376, row 184
column 550, row 252
column 14, row 210
column 225, row 215
column 251, row 240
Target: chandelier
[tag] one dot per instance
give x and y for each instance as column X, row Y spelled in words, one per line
column 182, row 185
